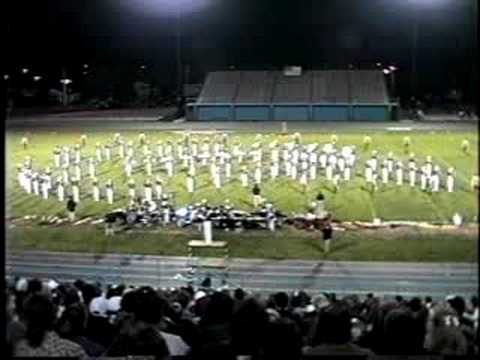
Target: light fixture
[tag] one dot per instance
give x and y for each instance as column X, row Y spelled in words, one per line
column 25, row 71
column 66, row 81
column 37, row 78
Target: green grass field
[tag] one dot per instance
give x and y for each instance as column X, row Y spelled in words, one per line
column 351, row 203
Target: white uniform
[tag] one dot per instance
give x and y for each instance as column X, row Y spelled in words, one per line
column 228, row 169
column 294, row 171
column 399, row 173
column 428, row 169
column 160, row 150
column 313, row 171
column 217, row 179
column 368, row 173
column 374, row 163
column 96, row 192
column 412, row 173
column 78, row 172
column 323, row 160
column 304, row 178
column 98, row 153
column 91, row 168
column 288, row 168
column 21, row 177
column 158, row 190
column 190, row 184
column 148, row 192
column 423, row 179
column 28, row 181
column 35, row 184
column 60, row 191
column 44, row 187
column 108, row 153
column 435, row 181
column 76, row 193
column 450, row 181
column 169, row 167
column 341, row 163
column 128, row 167
column 66, row 156
column 110, row 195
column 258, row 175
column 385, row 175
column 56, row 158
column 329, row 172
column 78, row 156
column 244, row 178
column 121, row 150
column 390, row 164
column 336, row 180
column 131, row 190
column 148, row 167
column 347, row 173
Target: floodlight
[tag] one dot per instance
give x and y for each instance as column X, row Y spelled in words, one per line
column 386, row 71
column 6, row 77
column 169, row 7
column 37, row 78
column 25, row 71
column 392, row 68
column 66, row 81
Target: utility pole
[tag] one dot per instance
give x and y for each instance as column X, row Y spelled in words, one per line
column 416, row 25
column 474, row 73
column 178, row 35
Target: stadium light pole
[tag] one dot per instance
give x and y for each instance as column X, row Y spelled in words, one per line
column 474, row 73
column 178, row 48
column 416, row 26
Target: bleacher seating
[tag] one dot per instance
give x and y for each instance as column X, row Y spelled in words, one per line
column 255, row 87
column 330, row 87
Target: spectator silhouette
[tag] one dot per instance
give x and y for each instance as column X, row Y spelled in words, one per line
column 333, row 334
column 40, row 339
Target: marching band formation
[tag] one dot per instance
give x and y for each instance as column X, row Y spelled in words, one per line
column 226, row 161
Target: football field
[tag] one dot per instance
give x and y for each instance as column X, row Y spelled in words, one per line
column 353, row 202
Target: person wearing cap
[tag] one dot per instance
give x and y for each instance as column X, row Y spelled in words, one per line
column 71, row 206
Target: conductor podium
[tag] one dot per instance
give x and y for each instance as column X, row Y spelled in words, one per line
column 221, row 247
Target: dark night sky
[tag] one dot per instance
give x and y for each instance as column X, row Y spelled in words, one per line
column 48, row 34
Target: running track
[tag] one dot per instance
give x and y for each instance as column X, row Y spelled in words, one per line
column 257, row 275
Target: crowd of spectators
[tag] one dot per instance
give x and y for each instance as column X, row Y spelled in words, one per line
column 87, row 320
